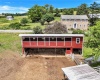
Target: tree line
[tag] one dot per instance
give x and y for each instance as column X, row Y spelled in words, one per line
column 40, row 13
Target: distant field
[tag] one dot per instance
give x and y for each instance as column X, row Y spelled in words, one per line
column 5, row 23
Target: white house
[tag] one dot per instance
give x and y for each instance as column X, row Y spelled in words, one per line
column 9, row 18
column 94, row 15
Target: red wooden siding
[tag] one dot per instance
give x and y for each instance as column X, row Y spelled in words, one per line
column 77, row 45
column 46, row 44
column 69, row 44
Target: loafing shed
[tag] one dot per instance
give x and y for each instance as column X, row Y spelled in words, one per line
column 70, row 42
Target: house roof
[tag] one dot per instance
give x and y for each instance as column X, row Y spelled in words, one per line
column 74, row 17
column 38, row 35
column 81, row 72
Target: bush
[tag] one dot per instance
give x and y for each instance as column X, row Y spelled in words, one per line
column 57, row 15
column 37, row 30
column 24, row 21
column 42, row 22
column 78, row 31
column 15, row 25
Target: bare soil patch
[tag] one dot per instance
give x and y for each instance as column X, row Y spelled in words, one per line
column 14, row 67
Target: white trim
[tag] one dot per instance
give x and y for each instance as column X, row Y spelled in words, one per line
column 82, row 46
column 37, row 41
column 64, row 41
column 49, row 41
column 52, row 35
column 44, row 42
column 77, row 39
column 71, row 41
column 56, row 41
column 29, row 41
column 22, row 41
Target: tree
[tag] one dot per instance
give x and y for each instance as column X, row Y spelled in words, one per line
column 83, row 9
column 95, row 8
column 57, row 14
column 68, row 11
column 37, row 30
column 56, row 28
column 51, row 10
column 15, row 25
column 48, row 17
column 42, row 22
column 93, row 40
column 35, row 13
column 24, row 21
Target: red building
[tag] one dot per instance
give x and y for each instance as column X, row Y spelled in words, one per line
column 72, row 43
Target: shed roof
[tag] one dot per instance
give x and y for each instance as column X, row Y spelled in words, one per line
column 81, row 72
column 39, row 35
column 74, row 17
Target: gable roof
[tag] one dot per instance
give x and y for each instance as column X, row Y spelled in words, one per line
column 74, row 17
column 81, row 72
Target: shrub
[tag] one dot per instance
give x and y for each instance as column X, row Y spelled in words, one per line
column 42, row 22
column 78, row 31
column 57, row 15
column 15, row 25
column 37, row 30
column 24, row 21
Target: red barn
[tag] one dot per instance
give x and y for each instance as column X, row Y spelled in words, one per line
column 72, row 43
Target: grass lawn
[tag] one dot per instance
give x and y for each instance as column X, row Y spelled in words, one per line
column 5, row 23
column 9, row 41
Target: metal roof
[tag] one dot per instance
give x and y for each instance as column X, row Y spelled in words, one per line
column 39, row 35
column 74, row 17
column 81, row 72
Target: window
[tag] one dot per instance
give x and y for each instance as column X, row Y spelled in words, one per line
column 26, row 39
column 40, row 39
column 60, row 39
column 67, row 39
column 52, row 39
column 46, row 39
column 77, row 40
column 75, row 25
column 33, row 39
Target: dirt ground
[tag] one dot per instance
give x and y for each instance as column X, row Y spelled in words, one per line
column 15, row 67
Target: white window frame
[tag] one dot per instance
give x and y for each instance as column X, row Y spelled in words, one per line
column 74, row 26
column 77, row 40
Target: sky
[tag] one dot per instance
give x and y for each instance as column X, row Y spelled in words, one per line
column 22, row 6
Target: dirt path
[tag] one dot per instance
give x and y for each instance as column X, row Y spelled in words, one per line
column 14, row 67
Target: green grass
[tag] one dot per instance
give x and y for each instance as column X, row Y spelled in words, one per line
column 57, row 19
column 87, row 52
column 5, row 23
column 9, row 41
